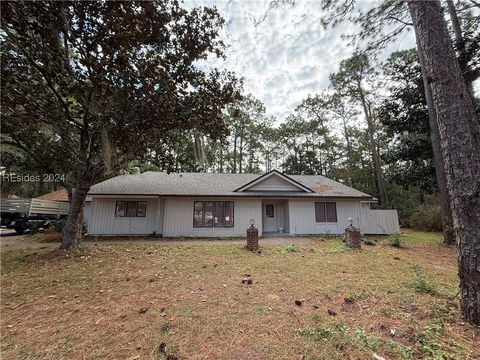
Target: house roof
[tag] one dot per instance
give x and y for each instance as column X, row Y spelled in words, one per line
column 215, row 184
column 58, row 195
column 295, row 184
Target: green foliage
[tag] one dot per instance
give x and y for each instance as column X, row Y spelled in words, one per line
column 335, row 247
column 125, row 68
column 289, row 248
column 405, row 118
column 432, row 346
column 427, row 217
column 319, row 333
column 88, row 87
column 33, row 227
column 394, row 240
column 421, row 284
column 403, row 351
column 363, row 341
column 357, row 296
column 370, row 242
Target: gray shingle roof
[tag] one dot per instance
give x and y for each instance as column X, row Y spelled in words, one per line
column 214, row 184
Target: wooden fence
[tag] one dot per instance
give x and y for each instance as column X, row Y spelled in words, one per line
column 34, row 207
column 380, row 222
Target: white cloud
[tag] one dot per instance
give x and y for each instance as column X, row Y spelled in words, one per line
column 282, row 51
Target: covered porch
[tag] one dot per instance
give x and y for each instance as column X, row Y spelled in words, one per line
column 275, row 216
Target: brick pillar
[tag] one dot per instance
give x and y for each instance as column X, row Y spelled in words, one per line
column 352, row 237
column 252, row 238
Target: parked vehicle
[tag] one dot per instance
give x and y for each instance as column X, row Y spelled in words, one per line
column 18, row 213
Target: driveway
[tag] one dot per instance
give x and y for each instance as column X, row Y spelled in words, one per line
column 9, row 240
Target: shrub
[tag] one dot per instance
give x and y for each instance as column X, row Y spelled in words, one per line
column 426, row 218
column 33, row 227
column 58, row 225
column 394, row 240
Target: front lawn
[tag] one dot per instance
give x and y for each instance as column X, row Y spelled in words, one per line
column 317, row 301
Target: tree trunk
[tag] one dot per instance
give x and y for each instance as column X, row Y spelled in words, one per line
column 374, row 148
column 250, row 160
column 460, row 141
column 72, row 231
column 460, row 46
column 447, row 223
column 221, row 157
column 349, row 151
column 240, row 153
column 235, row 153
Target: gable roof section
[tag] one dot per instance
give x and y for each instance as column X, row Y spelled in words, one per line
column 153, row 183
column 265, row 183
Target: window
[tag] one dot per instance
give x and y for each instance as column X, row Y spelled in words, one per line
column 131, row 209
column 212, row 214
column 141, row 209
column 208, row 214
column 228, row 213
column 269, row 210
column 120, row 208
column 219, row 214
column 325, row 212
column 198, row 214
column 331, row 211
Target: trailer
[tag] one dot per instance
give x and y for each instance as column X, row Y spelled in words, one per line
column 18, row 213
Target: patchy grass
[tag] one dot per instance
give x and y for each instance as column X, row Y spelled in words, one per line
column 43, row 237
column 320, row 301
column 420, row 237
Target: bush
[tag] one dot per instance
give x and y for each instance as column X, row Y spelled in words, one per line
column 394, row 240
column 426, row 218
column 369, row 242
column 58, row 225
column 33, row 227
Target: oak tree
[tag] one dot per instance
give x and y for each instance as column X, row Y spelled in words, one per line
column 88, row 87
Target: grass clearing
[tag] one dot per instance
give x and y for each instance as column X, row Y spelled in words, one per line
column 121, row 301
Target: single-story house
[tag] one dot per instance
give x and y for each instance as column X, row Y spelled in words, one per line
column 222, row 205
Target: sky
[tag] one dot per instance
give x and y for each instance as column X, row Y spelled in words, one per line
column 282, row 51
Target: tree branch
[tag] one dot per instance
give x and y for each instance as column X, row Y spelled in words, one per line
column 46, row 78
column 400, row 21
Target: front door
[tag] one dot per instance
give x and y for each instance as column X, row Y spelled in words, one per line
column 270, row 217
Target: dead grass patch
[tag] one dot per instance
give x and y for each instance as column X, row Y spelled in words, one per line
column 43, row 237
column 122, row 301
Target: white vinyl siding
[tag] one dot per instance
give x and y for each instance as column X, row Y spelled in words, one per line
column 174, row 217
column 103, row 220
column 178, row 219
column 379, row 221
column 87, row 208
column 302, row 217
column 274, row 183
